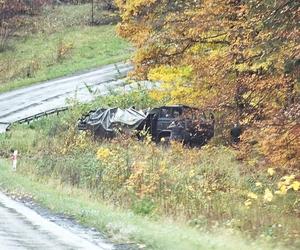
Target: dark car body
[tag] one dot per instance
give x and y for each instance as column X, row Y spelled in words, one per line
column 177, row 122
column 196, row 128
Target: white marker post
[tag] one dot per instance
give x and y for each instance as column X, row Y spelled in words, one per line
column 14, row 160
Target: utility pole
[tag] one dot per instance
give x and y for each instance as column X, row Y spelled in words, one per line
column 92, row 12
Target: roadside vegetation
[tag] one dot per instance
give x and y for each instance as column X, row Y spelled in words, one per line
column 238, row 59
column 203, row 190
column 121, row 225
column 58, row 41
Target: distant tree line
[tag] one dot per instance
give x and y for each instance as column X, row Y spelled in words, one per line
column 103, row 4
column 12, row 14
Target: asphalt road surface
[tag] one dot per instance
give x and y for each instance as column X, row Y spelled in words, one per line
column 21, row 103
column 21, row 228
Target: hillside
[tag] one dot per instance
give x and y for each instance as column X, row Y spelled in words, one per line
column 56, row 42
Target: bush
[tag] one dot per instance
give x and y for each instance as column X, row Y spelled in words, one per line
column 139, row 98
column 204, row 187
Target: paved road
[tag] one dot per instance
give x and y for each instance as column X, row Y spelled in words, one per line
column 22, row 228
column 21, row 103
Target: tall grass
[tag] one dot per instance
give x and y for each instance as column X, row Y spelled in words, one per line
column 121, row 225
column 206, row 189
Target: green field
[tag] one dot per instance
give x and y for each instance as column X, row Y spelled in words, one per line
column 47, row 49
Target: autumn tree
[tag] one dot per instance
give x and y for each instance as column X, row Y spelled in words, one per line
column 269, row 76
column 10, row 20
column 12, row 16
column 236, row 57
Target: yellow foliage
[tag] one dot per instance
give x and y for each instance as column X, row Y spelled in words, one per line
column 271, row 171
column 206, row 58
column 74, row 140
column 247, row 203
column 176, row 84
column 282, row 190
column 295, row 185
column 287, row 179
column 258, row 184
column 252, row 195
column 103, row 154
column 268, row 196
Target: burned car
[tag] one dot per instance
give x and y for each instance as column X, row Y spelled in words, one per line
column 181, row 123
column 188, row 125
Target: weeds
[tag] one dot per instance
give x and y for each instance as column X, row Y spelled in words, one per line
column 63, row 49
column 206, row 188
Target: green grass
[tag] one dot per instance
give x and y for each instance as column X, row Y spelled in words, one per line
column 35, row 56
column 122, row 225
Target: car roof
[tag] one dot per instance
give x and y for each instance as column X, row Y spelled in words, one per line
column 154, row 110
column 174, row 106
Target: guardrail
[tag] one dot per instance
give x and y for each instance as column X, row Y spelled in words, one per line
column 35, row 117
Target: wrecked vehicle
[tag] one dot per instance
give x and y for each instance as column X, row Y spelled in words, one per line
column 105, row 123
column 182, row 123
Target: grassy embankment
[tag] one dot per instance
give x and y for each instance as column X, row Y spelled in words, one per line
column 121, row 225
column 58, row 42
column 125, row 187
